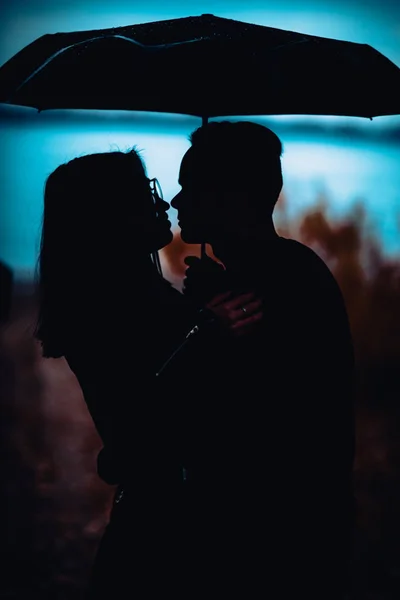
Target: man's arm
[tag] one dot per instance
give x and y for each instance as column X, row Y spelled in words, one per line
column 320, row 381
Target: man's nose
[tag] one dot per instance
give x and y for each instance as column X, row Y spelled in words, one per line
column 175, row 200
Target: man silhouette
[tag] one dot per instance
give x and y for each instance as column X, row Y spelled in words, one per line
column 270, row 417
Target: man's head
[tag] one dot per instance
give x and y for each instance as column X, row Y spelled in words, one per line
column 231, row 178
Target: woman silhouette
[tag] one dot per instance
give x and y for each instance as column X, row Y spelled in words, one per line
column 105, row 307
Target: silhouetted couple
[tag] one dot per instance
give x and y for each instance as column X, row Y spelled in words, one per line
column 234, row 463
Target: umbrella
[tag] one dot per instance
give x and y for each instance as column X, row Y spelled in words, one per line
column 204, row 66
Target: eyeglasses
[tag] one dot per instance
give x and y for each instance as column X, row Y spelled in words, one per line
column 157, row 195
column 156, row 190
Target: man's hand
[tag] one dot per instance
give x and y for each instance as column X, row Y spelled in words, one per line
column 204, row 278
column 240, row 314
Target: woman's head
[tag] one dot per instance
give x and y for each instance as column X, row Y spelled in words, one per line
column 100, row 202
column 99, row 219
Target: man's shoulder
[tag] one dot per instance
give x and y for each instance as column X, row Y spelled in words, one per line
column 304, row 262
column 300, row 252
column 306, row 275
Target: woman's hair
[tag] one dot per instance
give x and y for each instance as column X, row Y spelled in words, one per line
column 89, row 209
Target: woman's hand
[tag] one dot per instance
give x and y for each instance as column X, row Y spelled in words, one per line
column 241, row 314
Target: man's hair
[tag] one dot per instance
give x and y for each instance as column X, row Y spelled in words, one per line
column 242, row 155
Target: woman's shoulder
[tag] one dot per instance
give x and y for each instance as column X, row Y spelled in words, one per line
column 126, row 326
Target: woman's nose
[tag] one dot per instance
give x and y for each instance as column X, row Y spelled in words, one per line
column 162, row 204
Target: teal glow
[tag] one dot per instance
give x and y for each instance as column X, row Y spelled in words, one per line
column 345, row 171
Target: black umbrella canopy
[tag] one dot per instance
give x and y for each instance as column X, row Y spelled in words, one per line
column 204, row 66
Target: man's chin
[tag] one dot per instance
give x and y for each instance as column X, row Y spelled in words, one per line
column 190, row 236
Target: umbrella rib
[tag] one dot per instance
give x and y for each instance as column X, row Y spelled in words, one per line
column 59, row 52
